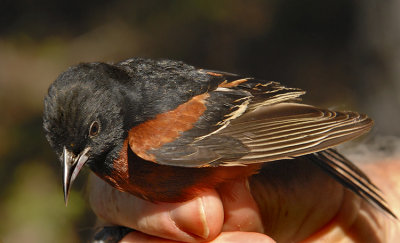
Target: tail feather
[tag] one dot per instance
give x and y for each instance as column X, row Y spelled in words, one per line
column 351, row 177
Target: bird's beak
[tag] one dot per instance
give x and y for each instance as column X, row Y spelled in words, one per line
column 72, row 165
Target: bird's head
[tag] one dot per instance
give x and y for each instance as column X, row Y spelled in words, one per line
column 83, row 119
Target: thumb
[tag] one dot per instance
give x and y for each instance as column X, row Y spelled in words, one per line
column 199, row 219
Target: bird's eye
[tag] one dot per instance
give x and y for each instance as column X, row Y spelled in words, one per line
column 94, row 129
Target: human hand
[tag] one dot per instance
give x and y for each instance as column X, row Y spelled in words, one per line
column 290, row 203
column 200, row 219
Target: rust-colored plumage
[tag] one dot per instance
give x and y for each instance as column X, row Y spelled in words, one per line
column 166, row 127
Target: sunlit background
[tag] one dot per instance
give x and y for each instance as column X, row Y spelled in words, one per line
column 345, row 53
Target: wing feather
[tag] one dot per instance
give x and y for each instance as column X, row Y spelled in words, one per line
column 288, row 130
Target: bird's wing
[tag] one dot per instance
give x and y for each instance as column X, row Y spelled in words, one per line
column 242, row 121
column 288, row 130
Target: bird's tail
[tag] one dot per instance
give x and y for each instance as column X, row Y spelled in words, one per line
column 345, row 172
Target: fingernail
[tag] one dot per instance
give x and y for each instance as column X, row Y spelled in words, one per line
column 191, row 218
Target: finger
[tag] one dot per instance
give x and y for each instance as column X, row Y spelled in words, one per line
column 300, row 202
column 224, row 237
column 196, row 220
column 139, row 237
column 239, row 237
column 295, row 199
column 240, row 209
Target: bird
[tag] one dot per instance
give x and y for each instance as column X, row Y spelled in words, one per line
column 165, row 131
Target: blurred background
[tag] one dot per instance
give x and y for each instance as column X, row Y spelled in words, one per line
column 345, row 53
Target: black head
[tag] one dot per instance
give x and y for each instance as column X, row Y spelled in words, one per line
column 84, row 118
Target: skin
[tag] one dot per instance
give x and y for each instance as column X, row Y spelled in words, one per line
column 215, row 217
